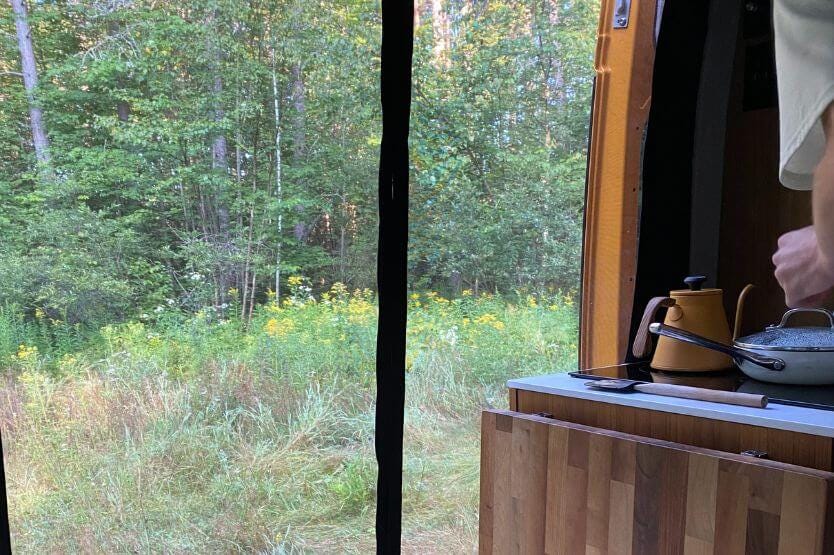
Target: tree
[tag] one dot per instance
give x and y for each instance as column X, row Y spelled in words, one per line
column 40, row 140
column 207, row 149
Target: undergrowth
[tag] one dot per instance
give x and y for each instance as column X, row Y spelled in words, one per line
column 197, row 433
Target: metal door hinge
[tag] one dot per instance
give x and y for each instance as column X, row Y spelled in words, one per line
column 622, row 10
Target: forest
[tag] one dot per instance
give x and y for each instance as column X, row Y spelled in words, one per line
column 188, row 214
column 156, row 152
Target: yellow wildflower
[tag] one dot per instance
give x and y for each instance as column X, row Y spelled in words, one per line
column 415, row 296
column 490, row 320
column 39, row 313
column 154, row 339
column 338, row 289
column 360, row 311
column 279, row 328
column 295, row 280
column 67, row 361
column 26, row 352
column 466, row 293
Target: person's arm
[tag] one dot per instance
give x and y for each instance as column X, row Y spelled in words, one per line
column 805, row 258
column 823, row 195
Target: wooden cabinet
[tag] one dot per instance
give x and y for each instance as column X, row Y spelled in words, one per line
column 780, row 445
column 550, row 486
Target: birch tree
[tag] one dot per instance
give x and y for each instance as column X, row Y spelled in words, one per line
column 279, row 193
column 40, row 139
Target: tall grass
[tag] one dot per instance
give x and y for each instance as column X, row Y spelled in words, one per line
column 197, row 434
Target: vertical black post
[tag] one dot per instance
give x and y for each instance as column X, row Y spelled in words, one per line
column 395, row 87
column 5, row 536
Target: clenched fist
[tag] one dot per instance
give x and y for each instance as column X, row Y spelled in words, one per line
column 801, row 270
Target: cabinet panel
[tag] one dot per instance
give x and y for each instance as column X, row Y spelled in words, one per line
column 780, row 445
column 554, row 487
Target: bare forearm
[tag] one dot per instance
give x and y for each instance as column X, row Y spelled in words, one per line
column 804, row 259
column 823, row 209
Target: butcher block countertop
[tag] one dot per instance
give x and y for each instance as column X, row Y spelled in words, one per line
column 777, row 416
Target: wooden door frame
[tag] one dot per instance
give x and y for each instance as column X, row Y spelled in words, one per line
column 622, row 92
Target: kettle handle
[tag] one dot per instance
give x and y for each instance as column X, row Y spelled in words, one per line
column 643, row 340
column 740, row 309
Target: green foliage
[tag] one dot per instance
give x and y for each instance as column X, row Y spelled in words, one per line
column 136, row 96
column 151, row 363
column 198, row 434
column 498, row 147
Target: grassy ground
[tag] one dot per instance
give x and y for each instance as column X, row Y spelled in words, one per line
column 195, row 435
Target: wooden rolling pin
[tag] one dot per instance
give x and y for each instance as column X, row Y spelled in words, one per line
column 682, row 391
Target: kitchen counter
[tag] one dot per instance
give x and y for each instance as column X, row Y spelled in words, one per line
column 775, row 416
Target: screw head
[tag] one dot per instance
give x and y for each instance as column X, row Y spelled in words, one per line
column 621, row 21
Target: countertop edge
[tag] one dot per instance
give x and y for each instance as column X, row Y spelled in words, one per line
column 776, row 416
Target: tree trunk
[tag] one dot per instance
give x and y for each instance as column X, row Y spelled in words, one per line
column 342, row 254
column 301, row 229
column 40, row 140
column 122, row 107
column 278, row 184
column 442, row 37
column 123, row 110
column 298, row 102
column 219, row 152
column 219, row 163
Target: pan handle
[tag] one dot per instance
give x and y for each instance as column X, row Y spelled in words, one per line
column 769, row 363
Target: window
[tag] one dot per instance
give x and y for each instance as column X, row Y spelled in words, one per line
column 188, row 314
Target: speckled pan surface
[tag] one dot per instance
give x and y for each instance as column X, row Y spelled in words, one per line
column 790, row 339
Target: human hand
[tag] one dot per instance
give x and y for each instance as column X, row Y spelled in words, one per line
column 801, row 270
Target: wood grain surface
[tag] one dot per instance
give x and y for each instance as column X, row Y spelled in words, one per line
column 780, row 445
column 555, row 487
column 623, row 62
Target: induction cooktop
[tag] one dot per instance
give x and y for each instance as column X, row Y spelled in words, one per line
column 810, row 396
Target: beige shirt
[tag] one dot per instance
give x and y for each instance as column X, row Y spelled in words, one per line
column 804, row 36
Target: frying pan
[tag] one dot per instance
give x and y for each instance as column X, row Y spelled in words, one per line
column 779, row 354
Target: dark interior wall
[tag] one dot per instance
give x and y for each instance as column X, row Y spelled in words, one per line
column 756, row 208
column 711, row 201
column 666, row 181
column 710, row 136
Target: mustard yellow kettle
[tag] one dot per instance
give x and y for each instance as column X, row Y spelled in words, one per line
column 696, row 310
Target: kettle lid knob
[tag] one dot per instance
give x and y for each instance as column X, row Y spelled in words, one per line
column 695, row 282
